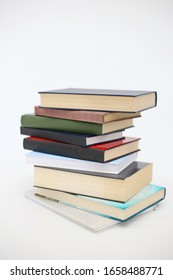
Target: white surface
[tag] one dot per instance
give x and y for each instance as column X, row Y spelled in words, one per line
column 95, row 44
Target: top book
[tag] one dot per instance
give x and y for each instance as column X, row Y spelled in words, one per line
column 99, row 99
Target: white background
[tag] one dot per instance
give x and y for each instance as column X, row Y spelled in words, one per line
column 112, row 44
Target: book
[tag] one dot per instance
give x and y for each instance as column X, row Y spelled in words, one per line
column 99, row 99
column 88, row 220
column 70, row 137
column 147, row 197
column 32, row 121
column 84, row 116
column 119, row 187
column 47, row 160
column 99, row 152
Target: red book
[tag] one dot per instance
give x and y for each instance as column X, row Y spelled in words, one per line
column 100, row 153
column 113, row 144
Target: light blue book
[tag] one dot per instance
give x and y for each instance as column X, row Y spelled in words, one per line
column 48, row 160
column 147, row 197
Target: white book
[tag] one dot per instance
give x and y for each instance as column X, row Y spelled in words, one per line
column 48, row 160
column 88, row 220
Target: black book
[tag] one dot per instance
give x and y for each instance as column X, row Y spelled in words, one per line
column 103, row 152
column 70, row 137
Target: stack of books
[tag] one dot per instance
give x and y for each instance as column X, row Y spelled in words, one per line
column 81, row 156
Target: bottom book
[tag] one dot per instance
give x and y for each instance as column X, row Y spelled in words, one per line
column 90, row 221
column 147, row 197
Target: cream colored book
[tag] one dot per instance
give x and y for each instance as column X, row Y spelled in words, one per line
column 119, row 187
column 99, row 99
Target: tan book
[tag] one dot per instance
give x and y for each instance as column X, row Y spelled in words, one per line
column 99, row 99
column 119, row 187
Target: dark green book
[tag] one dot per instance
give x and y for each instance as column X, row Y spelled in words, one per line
column 30, row 120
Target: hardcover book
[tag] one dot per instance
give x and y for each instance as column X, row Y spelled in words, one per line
column 32, row 121
column 99, row 99
column 84, row 116
column 99, row 152
column 70, row 137
column 120, row 187
column 111, row 167
column 147, row 197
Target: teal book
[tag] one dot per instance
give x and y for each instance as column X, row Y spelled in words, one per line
column 147, row 197
column 33, row 121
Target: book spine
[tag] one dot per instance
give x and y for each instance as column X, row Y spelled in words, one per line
column 63, row 149
column 155, row 98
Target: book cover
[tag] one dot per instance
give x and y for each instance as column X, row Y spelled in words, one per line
column 100, row 153
column 106, row 92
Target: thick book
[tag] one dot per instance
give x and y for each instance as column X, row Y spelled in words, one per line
column 32, row 121
column 70, row 137
column 112, row 167
column 99, row 152
column 99, row 99
column 147, row 197
column 88, row 220
column 120, row 187
column 83, row 115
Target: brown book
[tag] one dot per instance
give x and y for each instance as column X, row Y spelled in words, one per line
column 84, row 116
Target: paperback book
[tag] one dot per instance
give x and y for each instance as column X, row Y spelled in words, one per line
column 87, row 220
